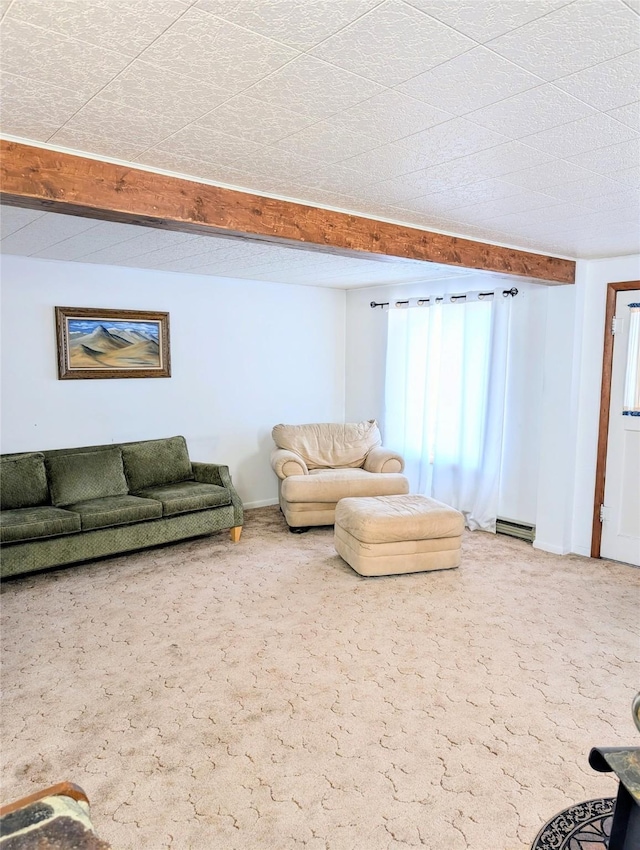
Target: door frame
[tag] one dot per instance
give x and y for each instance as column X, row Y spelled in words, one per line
column 605, row 399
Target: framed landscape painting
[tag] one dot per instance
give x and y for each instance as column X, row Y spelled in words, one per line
column 95, row 343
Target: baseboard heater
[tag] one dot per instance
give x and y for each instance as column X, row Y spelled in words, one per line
column 521, row 530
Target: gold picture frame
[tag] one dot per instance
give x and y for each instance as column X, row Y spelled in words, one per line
column 107, row 343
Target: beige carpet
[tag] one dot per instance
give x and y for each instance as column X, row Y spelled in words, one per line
column 262, row 696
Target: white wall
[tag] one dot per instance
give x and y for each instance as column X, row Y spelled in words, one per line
column 245, row 356
column 365, row 371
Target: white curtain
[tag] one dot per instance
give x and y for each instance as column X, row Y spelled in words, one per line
column 445, row 400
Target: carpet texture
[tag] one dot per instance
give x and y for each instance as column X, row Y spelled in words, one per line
column 263, row 696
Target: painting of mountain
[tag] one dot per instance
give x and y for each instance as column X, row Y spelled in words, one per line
column 112, row 343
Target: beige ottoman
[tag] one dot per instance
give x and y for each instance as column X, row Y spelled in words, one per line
column 386, row 535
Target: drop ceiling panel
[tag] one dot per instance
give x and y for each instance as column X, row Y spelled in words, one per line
column 392, row 43
column 298, row 25
column 589, row 32
column 201, row 46
column 484, row 20
column 494, row 78
column 379, row 107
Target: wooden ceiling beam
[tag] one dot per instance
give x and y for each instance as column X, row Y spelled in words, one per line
column 39, row 178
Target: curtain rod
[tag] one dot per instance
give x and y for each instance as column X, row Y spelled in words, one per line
column 453, row 298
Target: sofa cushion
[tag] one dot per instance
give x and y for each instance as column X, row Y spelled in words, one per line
column 30, row 523
column 23, row 481
column 188, row 496
column 154, row 463
column 115, row 510
column 81, row 476
column 331, row 485
column 329, row 445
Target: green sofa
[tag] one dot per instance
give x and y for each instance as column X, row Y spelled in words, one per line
column 67, row 505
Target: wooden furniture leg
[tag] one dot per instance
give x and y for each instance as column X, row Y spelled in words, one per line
column 235, row 533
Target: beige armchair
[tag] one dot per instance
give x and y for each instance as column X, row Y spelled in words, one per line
column 319, row 464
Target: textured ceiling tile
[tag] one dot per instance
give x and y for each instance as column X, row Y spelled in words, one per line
column 447, row 86
column 327, row 141
column 530, row 112
column 188, row 253
column 451, row 140
column 587, row 134
column 610, row 84
column 524, row 201
column 486, row 19
column 15, row 218
column 44, row 231
column 94, row 145
column 99, row 236
column 460, row 172
column 336, row 178
column 189, row 167
column 439, row 144
column 208, row 145
column 227, row 57
column 392, row 43
column 629, row 177
column 390, row 160
column 626, row 200
column 612, row 158
column 149, row 241
column 553, row 212
column 148, row 88
column 279, row 165
column 257, row 120
column 45, row 57
column 35, row 110
column 121, row 25
column 629, row 115
column 484, row 190
column 579, row 191
column 572, row 38
column 115, row 123
column 549, row 174
column 299, row 23
column 389, row 116
column 313, row 88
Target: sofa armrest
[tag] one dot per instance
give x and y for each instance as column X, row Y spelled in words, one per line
column 383, row 460
column 213, row 473
column 286, row 463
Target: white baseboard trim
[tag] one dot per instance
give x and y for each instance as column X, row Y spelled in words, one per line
column 582, row 550
column 261, row 503
column 550, row 547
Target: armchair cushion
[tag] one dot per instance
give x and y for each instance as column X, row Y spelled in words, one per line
column 287, row 463
column 331, row 485
column 329, row 445
column 383, row 460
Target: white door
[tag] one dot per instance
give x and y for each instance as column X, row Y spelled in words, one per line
column 621, row 512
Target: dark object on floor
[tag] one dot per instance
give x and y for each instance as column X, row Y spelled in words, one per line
column 299, row 529
column 625, row 763
column 52, row 819
column 586, row 826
